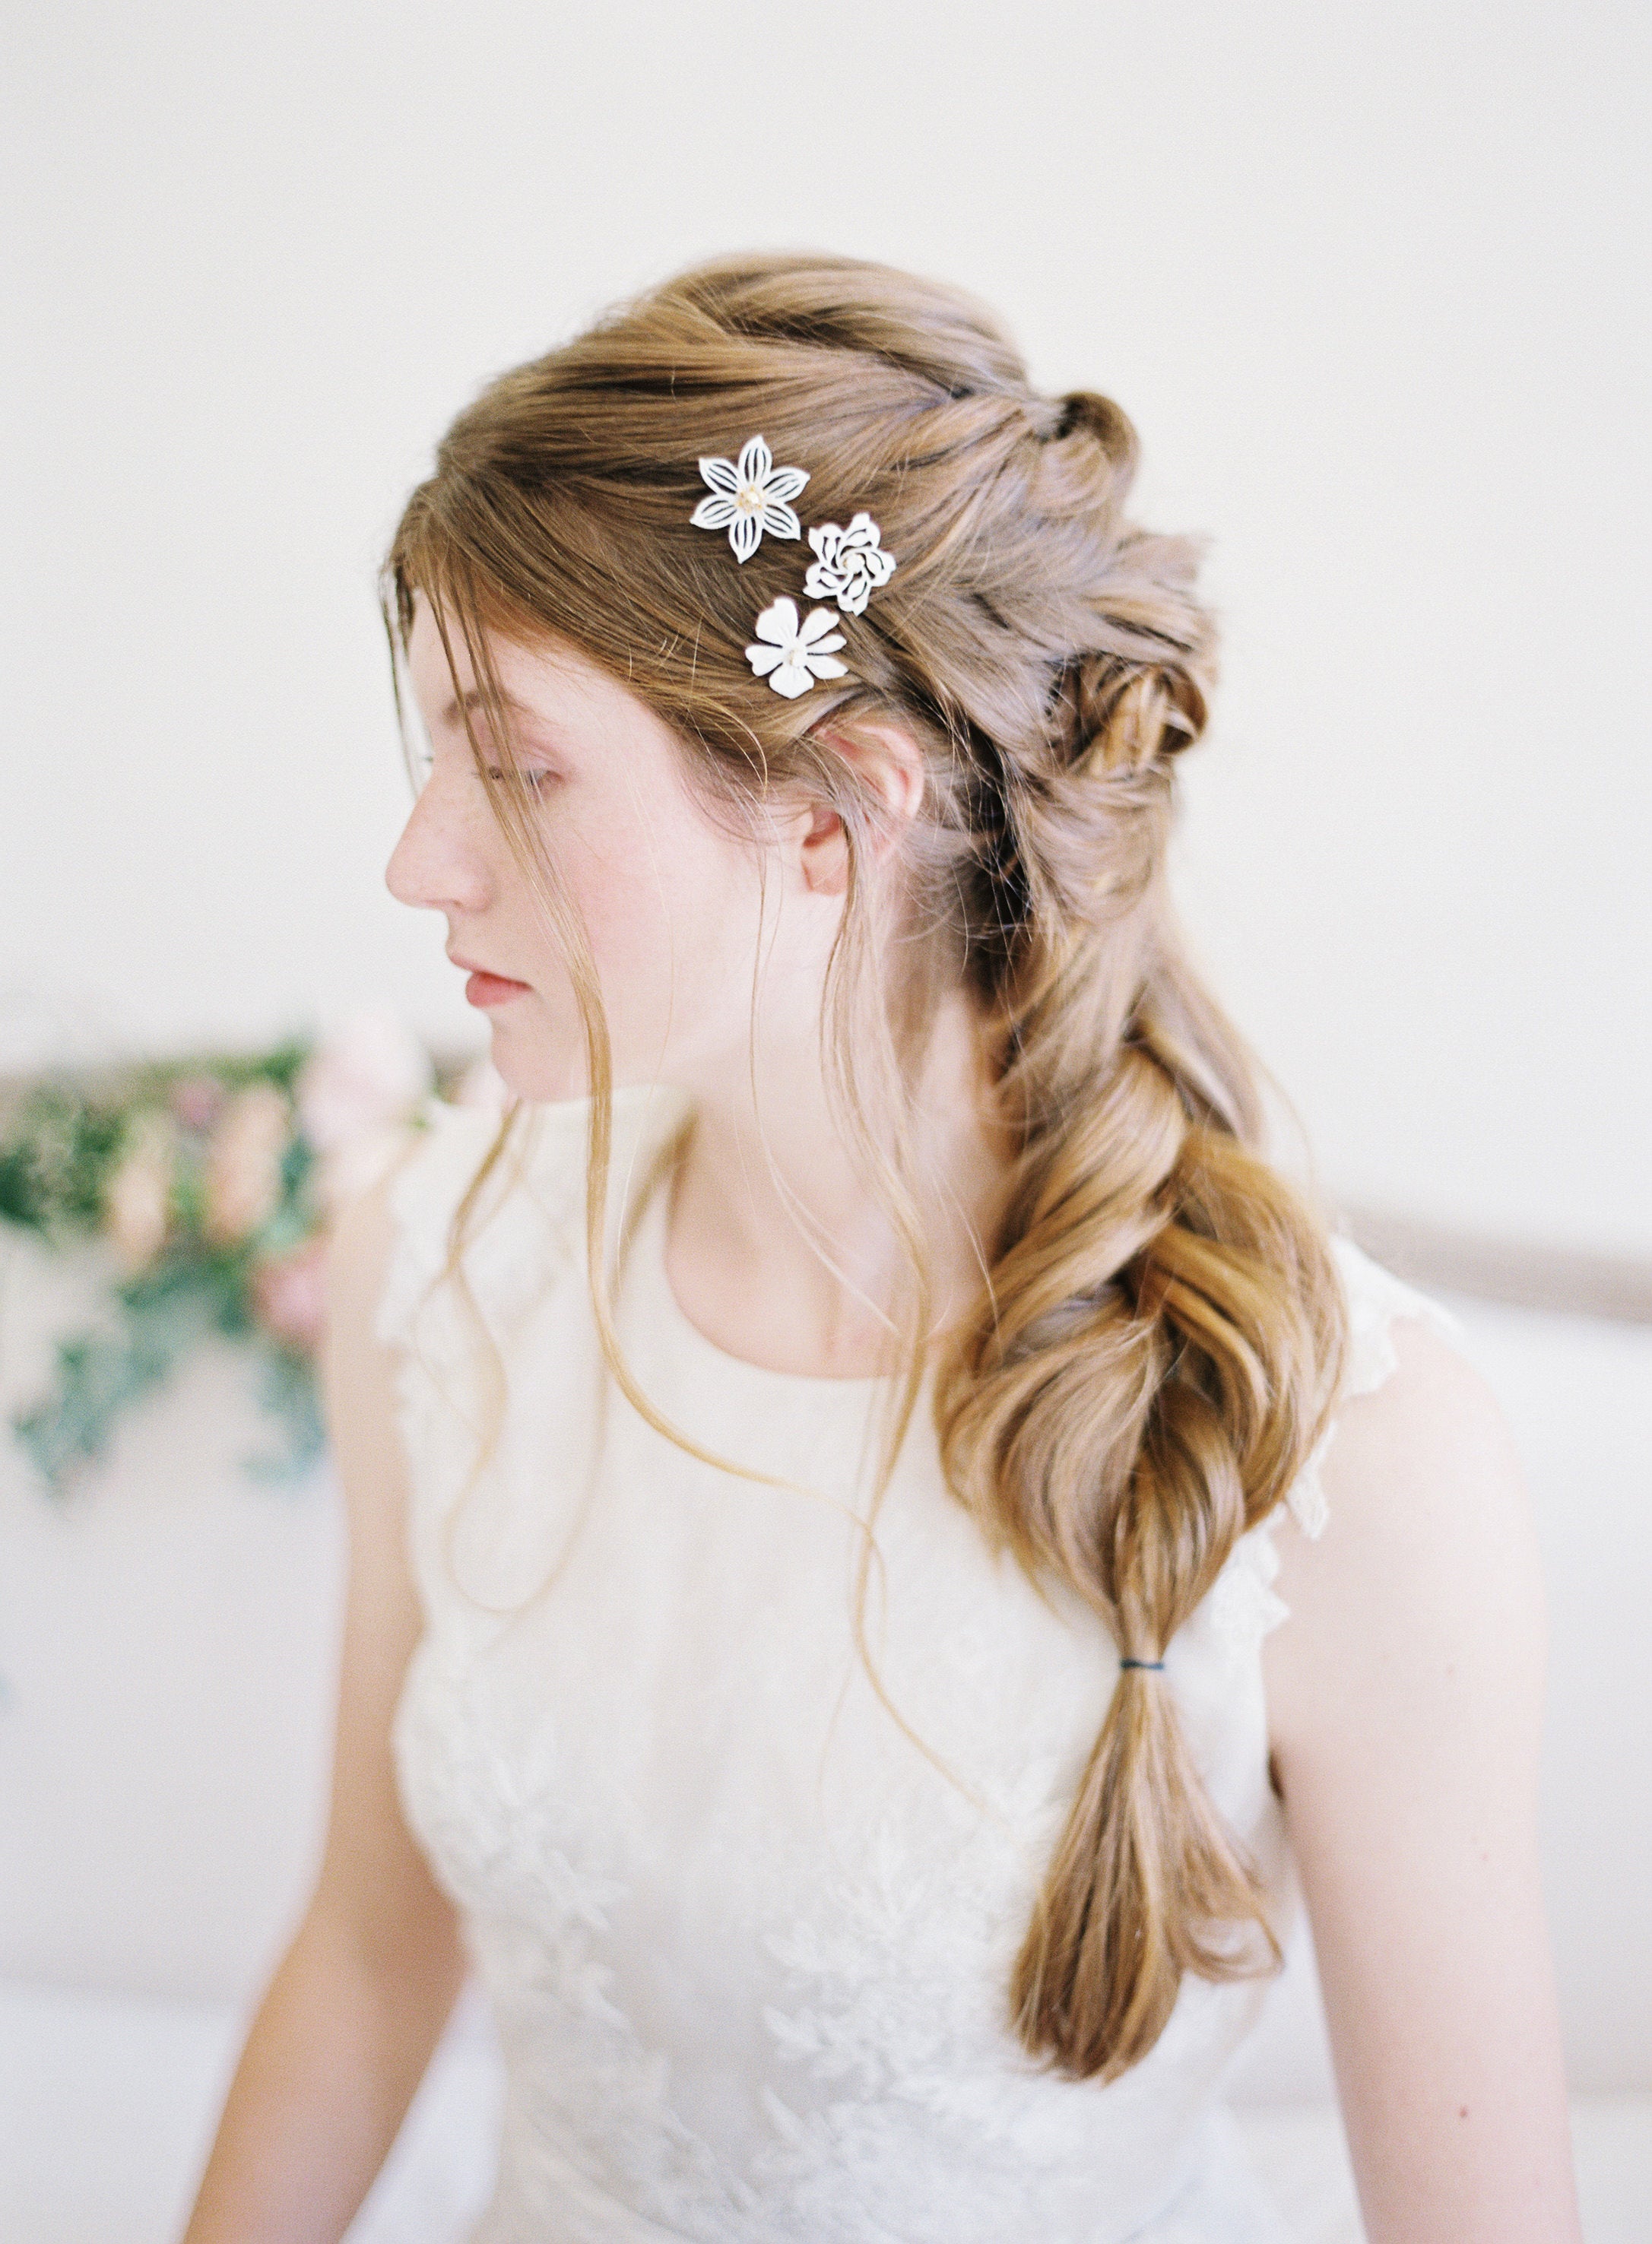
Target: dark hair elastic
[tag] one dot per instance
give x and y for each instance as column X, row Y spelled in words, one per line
column 1141, row 1663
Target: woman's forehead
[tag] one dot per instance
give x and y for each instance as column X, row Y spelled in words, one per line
column 547, row 680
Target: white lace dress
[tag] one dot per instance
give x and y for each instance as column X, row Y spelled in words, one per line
column 746, row 1947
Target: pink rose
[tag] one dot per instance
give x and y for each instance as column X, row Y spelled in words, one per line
column 244, row 1163
column 138, row 1198
column 197, row 1100
column 289, row 1294
column 374, row 1071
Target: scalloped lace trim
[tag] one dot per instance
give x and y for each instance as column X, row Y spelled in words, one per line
column 1376, row 1300
column 1244, row 1606
column 422, row 1198
column 541, row 1176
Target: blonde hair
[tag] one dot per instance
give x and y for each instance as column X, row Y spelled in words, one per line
column 1160, row 1338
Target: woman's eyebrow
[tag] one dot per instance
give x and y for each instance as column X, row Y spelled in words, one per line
column 473, row 699
column 536, row 730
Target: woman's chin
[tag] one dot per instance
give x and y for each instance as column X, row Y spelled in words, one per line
column 543, row 1078
column 547, row 1069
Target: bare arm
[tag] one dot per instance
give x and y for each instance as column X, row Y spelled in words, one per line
column 1406, row 1696
column 348, row 2022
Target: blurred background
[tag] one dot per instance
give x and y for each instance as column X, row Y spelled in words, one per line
column 1373, row 285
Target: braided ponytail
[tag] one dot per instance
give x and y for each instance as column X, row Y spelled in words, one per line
column 1162, row 1339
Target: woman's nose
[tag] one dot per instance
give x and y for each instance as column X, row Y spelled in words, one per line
column 435, row 865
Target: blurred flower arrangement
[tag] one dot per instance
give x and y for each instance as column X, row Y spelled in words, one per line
column 215, row 1184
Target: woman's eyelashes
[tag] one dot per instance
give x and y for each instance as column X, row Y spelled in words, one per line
column 485, row 764
column 535, row 777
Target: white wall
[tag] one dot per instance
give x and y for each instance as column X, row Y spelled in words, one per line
column 1371, row 281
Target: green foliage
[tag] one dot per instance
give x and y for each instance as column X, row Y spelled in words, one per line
column 65, row 1145
column 61, row 1147
column 56, row 1159
column 99, row 1375
column 287, row 1393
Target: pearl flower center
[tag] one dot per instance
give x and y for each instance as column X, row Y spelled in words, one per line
column 749, row 498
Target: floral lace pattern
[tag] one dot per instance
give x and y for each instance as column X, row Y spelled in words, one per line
column 748, row 1952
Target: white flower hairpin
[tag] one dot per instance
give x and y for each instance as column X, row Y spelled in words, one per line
column 847, row 564
column 792, row 655
column 749, row 495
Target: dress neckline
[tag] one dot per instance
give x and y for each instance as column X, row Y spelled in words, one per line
column 703, row 1361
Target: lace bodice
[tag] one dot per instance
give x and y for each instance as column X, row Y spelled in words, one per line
column 746, row 1947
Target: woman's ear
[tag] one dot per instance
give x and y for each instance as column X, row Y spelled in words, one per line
column 890, row 760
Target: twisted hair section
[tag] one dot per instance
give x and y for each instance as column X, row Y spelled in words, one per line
column 1159, row 1336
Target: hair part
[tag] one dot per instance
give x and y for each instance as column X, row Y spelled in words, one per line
column 1160, row 1335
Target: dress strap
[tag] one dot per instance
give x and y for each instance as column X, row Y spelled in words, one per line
column 1376, row 1300
column 1243, row 1605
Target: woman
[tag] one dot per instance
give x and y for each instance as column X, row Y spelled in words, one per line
column 828, row 1473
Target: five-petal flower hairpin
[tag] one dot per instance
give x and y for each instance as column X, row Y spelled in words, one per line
column 792, row 655
column 749, row 496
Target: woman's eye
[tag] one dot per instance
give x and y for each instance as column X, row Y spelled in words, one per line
column 533, row 779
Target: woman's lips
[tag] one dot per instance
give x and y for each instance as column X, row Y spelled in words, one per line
column 492, row 989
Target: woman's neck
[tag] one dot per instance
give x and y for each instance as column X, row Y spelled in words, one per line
column 777, row 1247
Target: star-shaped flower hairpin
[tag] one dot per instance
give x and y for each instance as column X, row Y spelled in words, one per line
column 749, row 495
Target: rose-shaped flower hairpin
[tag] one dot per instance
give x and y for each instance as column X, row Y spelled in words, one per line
column 749, row 497
column 847, row 564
